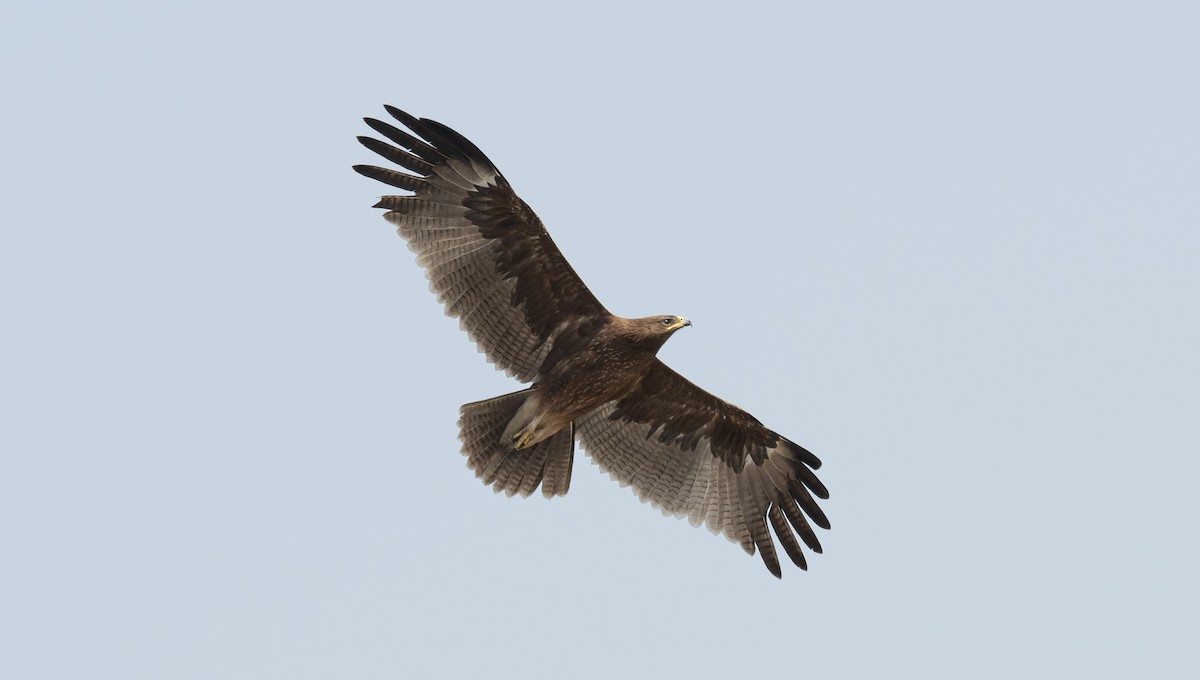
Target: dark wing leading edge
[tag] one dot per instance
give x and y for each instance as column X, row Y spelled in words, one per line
column 486, row 253
column 694, row 455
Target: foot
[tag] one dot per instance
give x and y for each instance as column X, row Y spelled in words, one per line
column 522, row 439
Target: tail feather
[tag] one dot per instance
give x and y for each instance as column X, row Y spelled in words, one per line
column 557, row 473
column 495, row 462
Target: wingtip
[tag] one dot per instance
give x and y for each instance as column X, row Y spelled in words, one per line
column 774, row 568
column 802, row 454
column 402, row 116
column 821, row 520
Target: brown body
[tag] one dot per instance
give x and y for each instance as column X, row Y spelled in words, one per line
column 606, row 368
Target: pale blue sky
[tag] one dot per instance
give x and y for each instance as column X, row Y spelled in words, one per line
column 950, row 247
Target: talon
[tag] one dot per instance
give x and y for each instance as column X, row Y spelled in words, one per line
column 522, row 439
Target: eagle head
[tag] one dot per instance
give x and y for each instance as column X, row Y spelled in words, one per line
column 669, row 324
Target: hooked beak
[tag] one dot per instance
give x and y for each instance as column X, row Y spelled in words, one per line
column 680, row 323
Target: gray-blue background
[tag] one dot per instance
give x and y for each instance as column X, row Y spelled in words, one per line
column 950, row 247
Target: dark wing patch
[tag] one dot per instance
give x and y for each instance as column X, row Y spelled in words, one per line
column 693, row 455
column 488, row 257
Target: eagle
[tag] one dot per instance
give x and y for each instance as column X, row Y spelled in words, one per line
column 593, row 376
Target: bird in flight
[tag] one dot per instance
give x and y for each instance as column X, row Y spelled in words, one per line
column 594, row 376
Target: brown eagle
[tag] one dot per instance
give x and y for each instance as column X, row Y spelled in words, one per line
column 595, row 375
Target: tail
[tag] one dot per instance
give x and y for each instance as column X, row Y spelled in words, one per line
column 506, row 469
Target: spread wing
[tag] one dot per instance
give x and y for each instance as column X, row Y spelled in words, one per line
column 694, row 455
column 486, row 253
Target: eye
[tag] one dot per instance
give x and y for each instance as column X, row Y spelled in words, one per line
column 667, row 321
